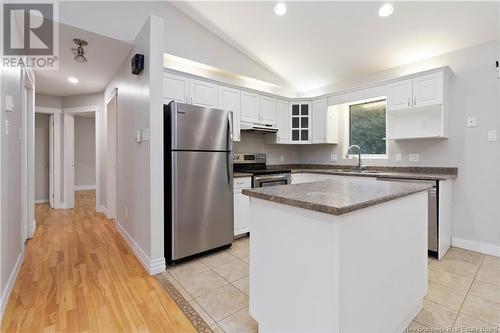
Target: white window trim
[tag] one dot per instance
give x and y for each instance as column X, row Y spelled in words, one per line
column 346, row 140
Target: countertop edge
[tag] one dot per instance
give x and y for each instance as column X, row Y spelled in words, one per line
column 329, row 209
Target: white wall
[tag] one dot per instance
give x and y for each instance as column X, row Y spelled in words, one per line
column 10, row 223
column 183, row 36
column 85, row 153
column 474, row 91
column 140, row 165
column 42, row 157
column 48, row 101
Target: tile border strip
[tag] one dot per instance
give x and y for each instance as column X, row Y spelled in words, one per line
column 198, row 323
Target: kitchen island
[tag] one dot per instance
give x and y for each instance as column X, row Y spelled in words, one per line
column 343, row 255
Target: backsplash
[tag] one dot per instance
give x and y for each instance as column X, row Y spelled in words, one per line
column 276, row 154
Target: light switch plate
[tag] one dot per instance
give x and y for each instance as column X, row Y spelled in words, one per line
column 333, row 157
column 282, row 158
column 492, row 135
column 398, row 158
column 413, row 158
column 138, row 136
column 471, row 121
column 8, row 103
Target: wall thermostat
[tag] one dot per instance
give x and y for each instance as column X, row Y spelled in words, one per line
column 137, row 64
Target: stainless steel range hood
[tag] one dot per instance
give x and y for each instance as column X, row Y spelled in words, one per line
column 258, row 128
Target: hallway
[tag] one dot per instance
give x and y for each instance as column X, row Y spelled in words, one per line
column 79, row 275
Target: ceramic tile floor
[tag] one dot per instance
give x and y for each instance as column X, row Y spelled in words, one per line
column 216, row 286
column 463, row 294
column 463, row 291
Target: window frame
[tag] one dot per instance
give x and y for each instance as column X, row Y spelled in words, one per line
column 347, row 129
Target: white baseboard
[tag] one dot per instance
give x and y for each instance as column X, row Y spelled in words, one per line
column 41, row 201
column 10, row 285
column 85, row 187
column 154, row 266
column 485, row 248
column 101, row 209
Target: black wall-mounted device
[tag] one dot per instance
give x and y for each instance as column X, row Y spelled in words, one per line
column 137, row 64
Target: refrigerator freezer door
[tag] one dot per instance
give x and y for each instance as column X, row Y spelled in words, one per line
column 199, row 128
column 202, row 208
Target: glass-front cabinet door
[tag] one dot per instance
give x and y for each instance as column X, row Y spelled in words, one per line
column 301, row 125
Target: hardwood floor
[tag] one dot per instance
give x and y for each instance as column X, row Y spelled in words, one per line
column 79, row 275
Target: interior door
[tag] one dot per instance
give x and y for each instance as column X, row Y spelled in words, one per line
column 51, row 161
column 69, row 161
column 202, row 208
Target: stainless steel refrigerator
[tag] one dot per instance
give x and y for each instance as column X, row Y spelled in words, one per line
column 198, row 180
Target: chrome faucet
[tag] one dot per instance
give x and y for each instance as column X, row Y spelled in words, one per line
column 360, row 166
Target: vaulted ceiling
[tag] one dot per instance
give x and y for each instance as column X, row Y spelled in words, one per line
column 322, row 43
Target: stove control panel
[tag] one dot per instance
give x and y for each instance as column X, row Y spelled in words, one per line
column 242, row 158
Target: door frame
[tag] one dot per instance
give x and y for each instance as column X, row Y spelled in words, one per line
column 112, row 159
column 69, row 147
column 55, row 170
column 27, row 137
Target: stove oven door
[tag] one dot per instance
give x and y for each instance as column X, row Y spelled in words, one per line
column 272, row 180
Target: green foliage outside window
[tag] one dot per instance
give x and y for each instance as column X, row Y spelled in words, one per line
column 367, row 126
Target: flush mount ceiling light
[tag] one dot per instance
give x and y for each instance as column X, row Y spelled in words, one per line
column 73, row 80
column 385, row 10
column 78, row 51
column 280, row 9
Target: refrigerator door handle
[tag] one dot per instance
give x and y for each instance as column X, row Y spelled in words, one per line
column 230, row 129
column 229, row 171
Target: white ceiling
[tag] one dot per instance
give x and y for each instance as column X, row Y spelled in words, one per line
column 104, row 56
column 322, row 43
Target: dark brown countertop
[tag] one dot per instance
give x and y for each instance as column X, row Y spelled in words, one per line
column 425, row 173
column 241, row 174
column 337, row 196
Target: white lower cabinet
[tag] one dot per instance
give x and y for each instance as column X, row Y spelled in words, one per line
column 241, row 205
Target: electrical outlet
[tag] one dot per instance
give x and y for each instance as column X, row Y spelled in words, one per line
column 413, row 158
column 282, row 158
column 492, row 135
column 333, row 157
column 471, row 121
column 398, row 158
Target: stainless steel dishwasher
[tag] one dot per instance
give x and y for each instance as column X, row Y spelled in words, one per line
column 432, row 211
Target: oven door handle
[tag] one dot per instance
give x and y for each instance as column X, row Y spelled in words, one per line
column 273, row 177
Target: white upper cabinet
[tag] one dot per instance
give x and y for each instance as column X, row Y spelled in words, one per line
column 426, row 114
column 325, row 125
column 428, row 90
column 399, row 95
column 283, row 122
column 421, row 91
column 268, row 110
column 230, row 99
column 250, row 107
column 175, row 88
column 301, row 124
column 203, row 93
column 319, row 108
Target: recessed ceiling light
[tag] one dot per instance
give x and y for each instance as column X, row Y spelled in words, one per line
column 280, row 9
column 385, row 10
column 73, row 80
